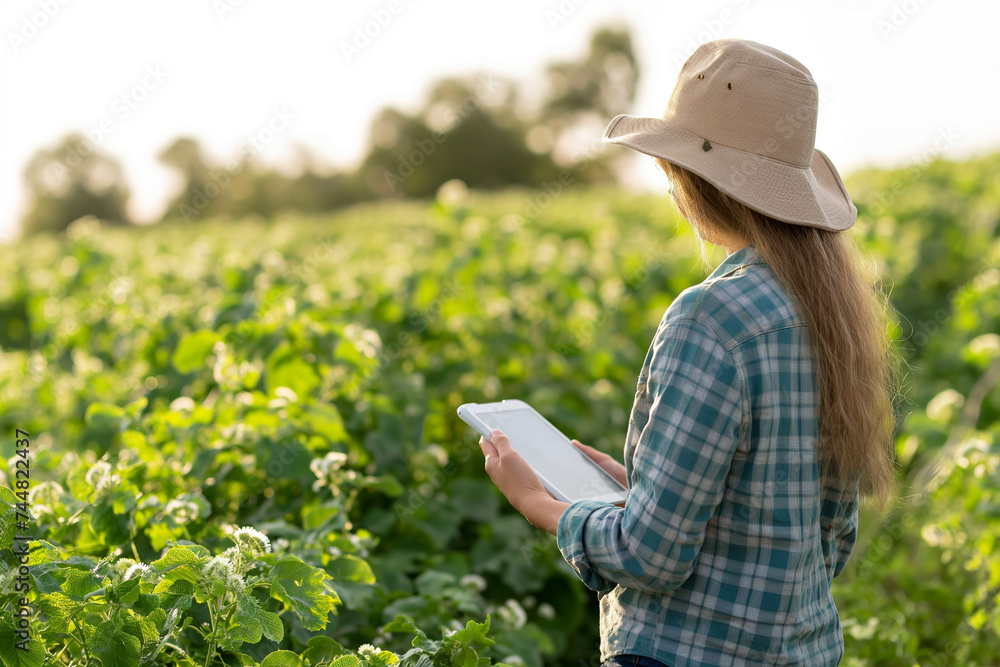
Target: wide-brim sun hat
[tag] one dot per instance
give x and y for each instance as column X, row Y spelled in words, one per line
column 743, row 117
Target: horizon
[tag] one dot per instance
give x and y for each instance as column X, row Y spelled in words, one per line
column 928, row 107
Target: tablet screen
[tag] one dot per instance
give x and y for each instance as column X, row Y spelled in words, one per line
column 567, row 468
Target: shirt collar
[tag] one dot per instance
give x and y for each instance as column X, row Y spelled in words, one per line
column 742, row 257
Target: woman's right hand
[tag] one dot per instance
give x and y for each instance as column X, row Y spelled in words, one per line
column 612, row 467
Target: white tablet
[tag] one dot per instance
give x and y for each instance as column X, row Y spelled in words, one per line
column 566, row 472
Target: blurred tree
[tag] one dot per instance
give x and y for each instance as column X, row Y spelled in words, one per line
column 241, row 188
column 595, row 89
column 467, row 129
column 70, row 181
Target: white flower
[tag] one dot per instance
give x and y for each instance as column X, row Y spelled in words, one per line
column 512, row 613
column 221, row 569
column 101, row 477
column 367, row 651
column 325, row 468
column 139, row 569
column 473, row 582
column 545, row 610
column 251, row 540
column 183, row 511
column 217, row 567
column 47, row 492
column 286, row 393
column 945, row 405
column 986, row 344
column 513, row 660
column 182, row 404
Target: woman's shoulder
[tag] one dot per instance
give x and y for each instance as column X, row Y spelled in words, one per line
column 737, row 306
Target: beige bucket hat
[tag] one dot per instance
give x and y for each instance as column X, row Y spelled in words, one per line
column 743, row 117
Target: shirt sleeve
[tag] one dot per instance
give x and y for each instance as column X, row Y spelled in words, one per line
column 847, row 535
column 679, row 467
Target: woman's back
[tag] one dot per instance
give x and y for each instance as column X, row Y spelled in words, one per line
column 726, row 549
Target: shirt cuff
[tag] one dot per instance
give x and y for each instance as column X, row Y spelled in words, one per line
column 570, row 535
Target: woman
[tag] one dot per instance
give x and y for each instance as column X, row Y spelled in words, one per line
column 763, row 414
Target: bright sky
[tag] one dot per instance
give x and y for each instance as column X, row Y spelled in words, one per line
column 901, row 78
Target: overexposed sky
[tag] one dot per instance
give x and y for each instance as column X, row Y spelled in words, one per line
column 899, row 80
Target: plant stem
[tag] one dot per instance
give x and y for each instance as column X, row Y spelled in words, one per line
column 211, row 644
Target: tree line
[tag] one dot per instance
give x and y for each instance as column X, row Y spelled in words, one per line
column 470, row 128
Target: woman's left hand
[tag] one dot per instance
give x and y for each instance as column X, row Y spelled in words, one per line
column 510, row 472
column 518, row 482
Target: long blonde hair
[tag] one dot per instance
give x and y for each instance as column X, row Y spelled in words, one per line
column 825, row 274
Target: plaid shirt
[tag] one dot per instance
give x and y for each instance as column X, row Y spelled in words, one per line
column 727, row 545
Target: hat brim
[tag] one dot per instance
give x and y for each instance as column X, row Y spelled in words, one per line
column 813, row 196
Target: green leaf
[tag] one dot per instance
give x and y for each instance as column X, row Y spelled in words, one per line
column 80, row 582
column 383, row 658
column 303, row 588
column 271, row 625
column 146, row 603
column 433, row 583
column 474, row 633
column 127, row 592
column 104, row 416
column 389, row 485
column 286, row 368
column 111, row 527
column 8, row 513
column 402, row 624
column 315, row 517
column 176, row 593
column 59, row 609
column 179, row 555
column 193, row 349
column 465, row 656
column 10, row 654
column 122, row 650
column 251, row 621
column 346, row 661
column 281, row 659
column 324, row 420
column 321, row 649
column 348, row 567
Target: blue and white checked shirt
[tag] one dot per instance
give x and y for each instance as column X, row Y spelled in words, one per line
column 726, row 547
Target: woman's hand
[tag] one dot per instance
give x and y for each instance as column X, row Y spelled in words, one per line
column 518, row 482
column 612, row 467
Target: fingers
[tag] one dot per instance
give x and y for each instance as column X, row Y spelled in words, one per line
column 487, row 447
column 501, row 442
column 589, row 451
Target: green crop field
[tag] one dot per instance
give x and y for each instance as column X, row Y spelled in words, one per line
column 244, row 450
